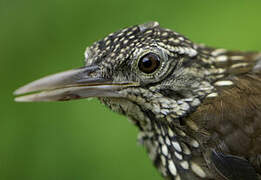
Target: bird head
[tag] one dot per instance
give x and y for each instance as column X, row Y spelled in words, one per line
column 143, row 68
column 156, row 77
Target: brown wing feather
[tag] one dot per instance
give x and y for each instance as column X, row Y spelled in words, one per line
column 235, row 116
column 232, row 120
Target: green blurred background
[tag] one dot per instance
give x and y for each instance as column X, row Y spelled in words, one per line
column 83, row 140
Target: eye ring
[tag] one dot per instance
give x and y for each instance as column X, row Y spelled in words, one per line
column 149, row 63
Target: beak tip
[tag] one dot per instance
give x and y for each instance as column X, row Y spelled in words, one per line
column 17, row 92
column 19, row 99
column 20, row 90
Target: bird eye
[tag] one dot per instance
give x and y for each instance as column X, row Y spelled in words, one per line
column 149, row 63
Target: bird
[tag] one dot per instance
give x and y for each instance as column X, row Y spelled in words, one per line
column 197, row 108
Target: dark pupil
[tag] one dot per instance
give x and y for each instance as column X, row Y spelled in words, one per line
column 149, row 63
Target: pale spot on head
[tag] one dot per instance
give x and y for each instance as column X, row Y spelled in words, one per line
column 108, row 48
column 177, row 177
column 112, row 54
column 162, row 131
column 212, row 95
column 194, row 143
column 163, row 160
column 176, row 145
column 125, row 41
column 164, row 40
column 192, row 125
column 122, row 39
column 167, row 141
column 107, row 42
column 86, row 53
column 148, row 32
column 120, row 34
column 169, row 119
column 180, row 132
column 179, row 156
column 164, row 34
column 161, row 140
column 164, row 150
column 218, row 52
column 106, row 38
column 172, row 168
column 142, row 39
column 181, row 38
column 220, row 71
column 195, row 102
column 111, row 34
column 116, row 40
column 117, row 46
column 132, row 44
column 239, row 65
column 184, row 164
column 173, row 40
column 186, row 149
column 198, row 170
column 222, row 58
column 120, row 56
column 135, row 40
column 257, row 67
column 129, row 33
column 223, row 83
column 237, row 58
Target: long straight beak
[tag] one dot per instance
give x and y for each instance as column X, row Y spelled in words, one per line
column 69, row 85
